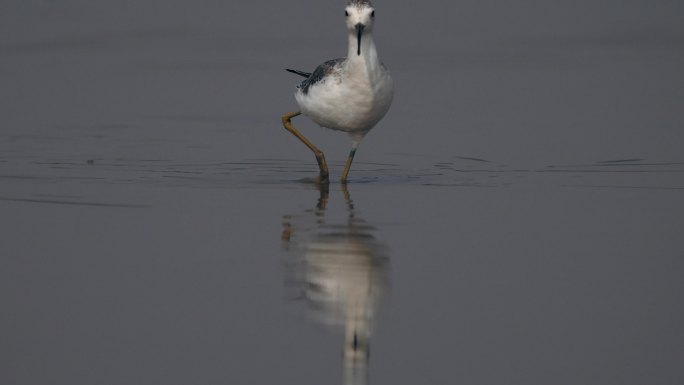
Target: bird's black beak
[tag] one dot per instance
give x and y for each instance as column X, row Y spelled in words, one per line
column 359, row 32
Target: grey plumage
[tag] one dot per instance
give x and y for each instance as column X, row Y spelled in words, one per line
column 319, row 73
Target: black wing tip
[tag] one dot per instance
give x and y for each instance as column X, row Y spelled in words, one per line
column 300, row 73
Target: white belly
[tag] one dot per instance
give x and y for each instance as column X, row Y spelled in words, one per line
column 351, row 105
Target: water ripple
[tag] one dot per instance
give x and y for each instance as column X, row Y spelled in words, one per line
column 456, row 171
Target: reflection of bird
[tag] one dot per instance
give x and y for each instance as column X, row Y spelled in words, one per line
column 342, row 272
column 350, row 94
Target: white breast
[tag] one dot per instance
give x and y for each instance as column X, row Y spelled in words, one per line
column 349, row 100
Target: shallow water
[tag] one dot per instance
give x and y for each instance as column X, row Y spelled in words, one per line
column 516, row 217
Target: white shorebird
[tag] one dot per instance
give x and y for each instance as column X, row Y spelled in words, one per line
column 349, row 94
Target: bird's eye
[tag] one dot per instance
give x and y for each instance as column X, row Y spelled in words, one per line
column 373, row 14
column 346, row 13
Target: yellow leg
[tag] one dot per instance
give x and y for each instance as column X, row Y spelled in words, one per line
column 320, row 158
column 347, row 166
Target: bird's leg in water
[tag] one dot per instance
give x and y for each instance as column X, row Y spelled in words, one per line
column 320, row 158
column 347, row 166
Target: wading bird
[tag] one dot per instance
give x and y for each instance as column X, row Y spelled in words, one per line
column 348, row 94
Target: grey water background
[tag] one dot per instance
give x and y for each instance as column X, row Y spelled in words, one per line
column 527, row 187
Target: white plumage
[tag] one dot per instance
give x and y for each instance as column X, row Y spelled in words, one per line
column 351, row 94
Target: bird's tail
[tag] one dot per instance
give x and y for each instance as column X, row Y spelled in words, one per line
column 300, row 73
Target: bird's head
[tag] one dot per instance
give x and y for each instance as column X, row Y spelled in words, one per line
column 359, row 16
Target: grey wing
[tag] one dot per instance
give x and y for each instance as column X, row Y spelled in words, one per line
column 320, row 73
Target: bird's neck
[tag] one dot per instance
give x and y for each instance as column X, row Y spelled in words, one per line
column 369, row 55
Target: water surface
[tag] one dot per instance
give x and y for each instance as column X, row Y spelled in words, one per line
column 516, row 217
